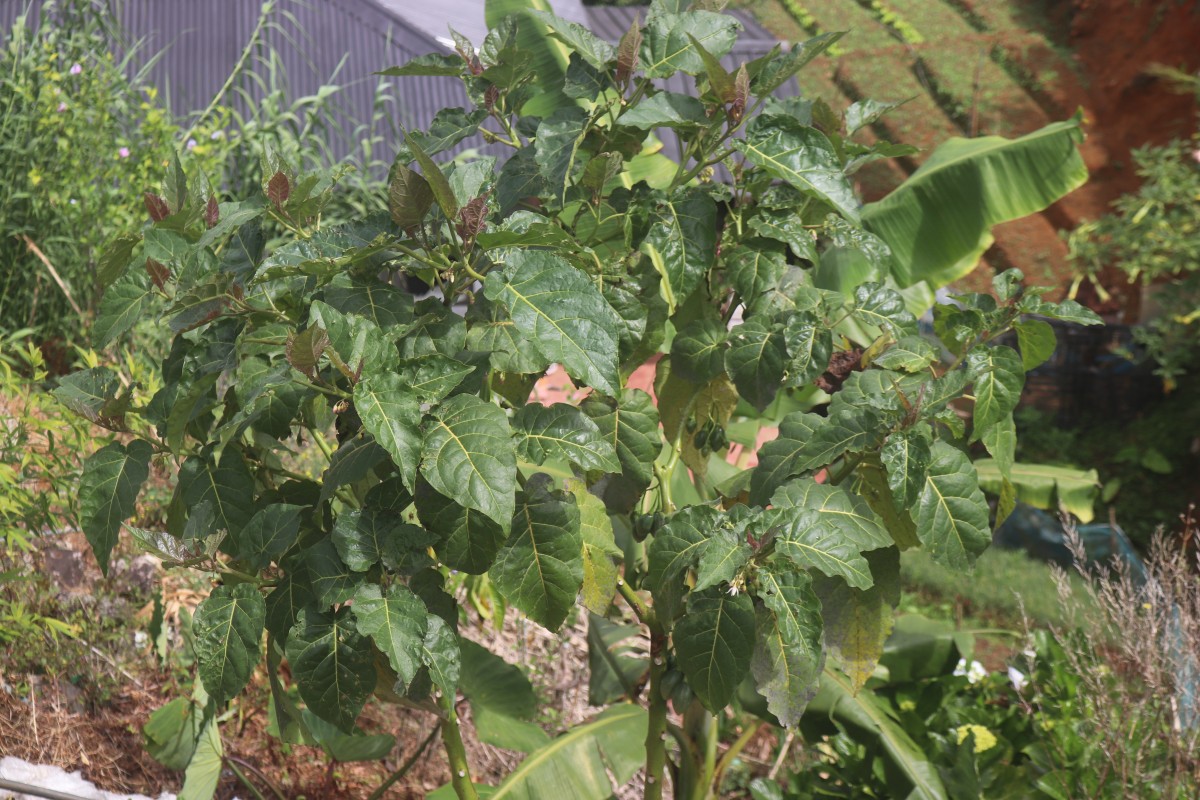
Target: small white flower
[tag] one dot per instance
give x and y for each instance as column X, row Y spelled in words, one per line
column 974, row 674
column 1017, row 678
column 140, row 639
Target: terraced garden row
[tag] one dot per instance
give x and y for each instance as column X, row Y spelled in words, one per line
column 968, row 67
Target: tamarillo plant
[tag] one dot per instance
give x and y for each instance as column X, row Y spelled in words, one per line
column 744, row 273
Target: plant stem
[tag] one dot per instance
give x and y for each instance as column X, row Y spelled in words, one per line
column 460, row 770
column 656, row 746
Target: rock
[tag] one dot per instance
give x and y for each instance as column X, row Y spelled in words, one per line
column 143, row 574
column 66, row 567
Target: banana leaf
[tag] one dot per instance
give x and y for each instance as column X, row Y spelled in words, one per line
column 550, row 56
column 938, row 222
column 908, row 772
column 1045, row 486
column 577, row 764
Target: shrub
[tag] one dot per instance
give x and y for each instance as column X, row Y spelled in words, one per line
column 80, row 135
column 756, row 301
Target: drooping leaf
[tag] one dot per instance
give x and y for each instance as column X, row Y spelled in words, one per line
column 333, row 665
column 777, row 70
column 631, row 424
column 801, row 156
column 122, row 305
column 950, row 512
column 563, row 431
column 470, row 540
column 396, row 620
column 755, row 361
column 503, row 702
column 269, row 534
column 999, row 376
column 468, row 456
column 682, row 243
column 226, row 486
column 228, row 629
column 613, row 664
column 1045, row 486
column 540, row 568
column 909, row 353
column 725, row 553
column 557, row 147
column 440, row 652
column 713, row 643
column 788, row 654
column 600, row 573
column 93, row 394
column 108, row 490
column 343, row 747
column 809, row 345
column 204, row 770
column 1001, row 442
column 754, row 269
column 957, row 185
column 858, row 621
column 562, row 313
column 866, row 716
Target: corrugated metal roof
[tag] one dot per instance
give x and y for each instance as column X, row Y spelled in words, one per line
column 344, row 42
column 465, row 16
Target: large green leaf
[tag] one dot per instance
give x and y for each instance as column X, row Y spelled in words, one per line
column 93, row 395
column 578, row 763
column 755, row 361
column 909, row 772
column 228, row 629
column 123, row 304
column 204, row 770
column 698, row 351
column 950, row 513
column 562, row 313
column 592, row 48
column 393, row 416
column 470, row 540
column 108, row 490
column 668, row 46
column 802, row 156
column 631, row 424
column 713, row 644
column 563, row 431
column 396, row 620
column 503, row 703
column 333, row 583
column 807, row 441
column 333, row 665
column 666, row 110
column 788, row 656
column 826, row 527
column 725, row 553
column 269, row 534
column 967, row 186
column 614, row 666
column 1046, row 486
column 858, row 621
column 468, row 456
column 226, row 486
column 999, row 376
column 906, row 455
column 682, row 243
column 675, row 549
column 351, row 462
column 556, row 148
column 540, row 568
